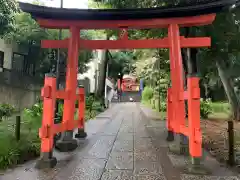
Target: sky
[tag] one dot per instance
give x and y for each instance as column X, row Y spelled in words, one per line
column 80, row 4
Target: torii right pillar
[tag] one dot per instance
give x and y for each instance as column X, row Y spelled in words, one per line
column 176, row 120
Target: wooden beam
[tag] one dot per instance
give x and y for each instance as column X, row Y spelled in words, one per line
column 137, row 24
column 129, row 44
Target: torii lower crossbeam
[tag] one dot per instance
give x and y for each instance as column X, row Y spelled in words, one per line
column 129, row 44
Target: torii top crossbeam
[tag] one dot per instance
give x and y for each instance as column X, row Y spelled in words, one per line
column 128, row 18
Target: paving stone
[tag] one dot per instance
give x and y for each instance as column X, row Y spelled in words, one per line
column 101, row 148
column 108, row 132
column 87, row 169
column 194, row 177
column 120, row 160
column 142, row 134
column 147, row 168
column 117, row 175
column 144, row 144
column 149, row 177
column 149, row 155
column 126, row 129
column 178, row 161
column 30, row 174
column 125, row 136
column 123, row 145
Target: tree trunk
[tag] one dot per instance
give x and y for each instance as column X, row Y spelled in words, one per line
column 102, row 76
column 229, row 89
column 206, row 92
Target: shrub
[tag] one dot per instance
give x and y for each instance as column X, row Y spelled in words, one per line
column 36, row 110
column 14, row 152
column 205, row 108
column 89, row 102
column 6, row 110
column 97, row 106
column 147, row 94
column 163, row 106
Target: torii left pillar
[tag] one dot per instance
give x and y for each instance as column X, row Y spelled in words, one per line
column 66, row 142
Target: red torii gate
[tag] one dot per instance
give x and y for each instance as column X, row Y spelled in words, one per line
column 176, row 94
column 176, row 106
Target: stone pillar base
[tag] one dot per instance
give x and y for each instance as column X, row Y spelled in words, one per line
column 197, row 168
column 81, row 134
column 46, row 161
column 66, row 143
column 170, row 136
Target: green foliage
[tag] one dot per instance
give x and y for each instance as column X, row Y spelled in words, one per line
column 220, row 107
column 205, row 108
column 163, row 106
column 121, row 62
column 36, row 110
column 28, row 34
column 89, row 102
column 93, row 107
column 224, row 33
column 147, row 94
column 8, row 8
column 6, row 110
column 14, row 152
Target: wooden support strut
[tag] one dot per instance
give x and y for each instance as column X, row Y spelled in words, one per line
column 49, row 99
column 50, row 130
column 195, row 135
column 59, row 94
column 169, row 110
column 176, row 76
column 81, row 107
column 71, row 78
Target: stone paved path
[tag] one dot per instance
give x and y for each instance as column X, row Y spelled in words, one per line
column 123, row 144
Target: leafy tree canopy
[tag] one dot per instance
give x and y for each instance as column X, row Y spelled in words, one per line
column 8, row 8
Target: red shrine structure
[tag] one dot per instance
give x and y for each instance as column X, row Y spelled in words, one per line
column 172, row 18
column 128, row 83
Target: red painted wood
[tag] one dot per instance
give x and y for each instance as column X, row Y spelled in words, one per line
column 195, row 136
column 176, row 76
column 129, row 44
column 146, row 23
column 81, row 107
column 48, row 114
column 71, row 78
column 169, row 110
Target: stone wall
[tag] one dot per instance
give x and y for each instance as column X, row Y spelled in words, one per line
column 19, row 97
column 19, row 90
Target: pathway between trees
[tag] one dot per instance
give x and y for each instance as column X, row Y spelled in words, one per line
column 128, row 146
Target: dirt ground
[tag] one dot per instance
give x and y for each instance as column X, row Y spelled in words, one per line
column 215, row 138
